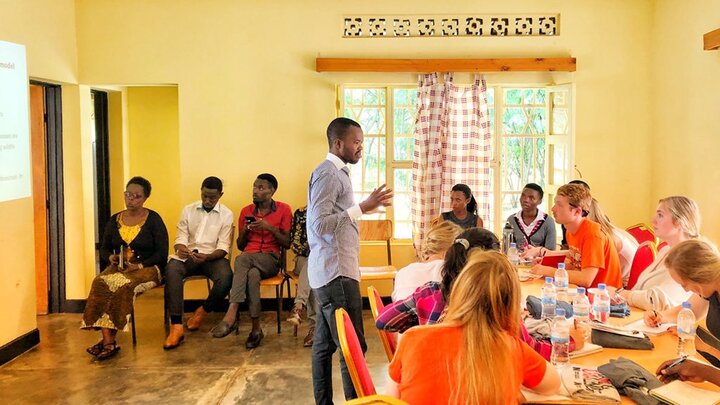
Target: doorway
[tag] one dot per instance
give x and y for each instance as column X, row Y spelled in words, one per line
column 48, row 207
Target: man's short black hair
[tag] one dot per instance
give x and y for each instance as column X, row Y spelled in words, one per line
column 212, row 183
column 338, row 128
column 142, row 182
column 580, row 182
column 270, row 179
column 536, row 187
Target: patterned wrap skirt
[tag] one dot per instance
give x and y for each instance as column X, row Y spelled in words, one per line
column 112, row 295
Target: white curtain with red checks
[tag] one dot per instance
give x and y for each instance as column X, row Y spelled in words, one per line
column 452, row 145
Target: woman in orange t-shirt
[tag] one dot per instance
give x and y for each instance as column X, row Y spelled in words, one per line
column 476, row 355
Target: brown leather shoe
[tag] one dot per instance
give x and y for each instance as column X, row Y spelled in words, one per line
column 308, row 341
column 174, row 338
column 194, row 322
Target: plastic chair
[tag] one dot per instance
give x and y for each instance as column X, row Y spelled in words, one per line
column 377, row 230
column 353, row 355
column 642, row 233
column 389, row 340
column 644, row 256
column 376, row 399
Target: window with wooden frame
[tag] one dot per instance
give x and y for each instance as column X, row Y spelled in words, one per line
column 532, row 137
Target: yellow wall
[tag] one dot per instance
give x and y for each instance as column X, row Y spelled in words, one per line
column 153, row 148
column 686, row 108
column 47, row 29
column 250, row 100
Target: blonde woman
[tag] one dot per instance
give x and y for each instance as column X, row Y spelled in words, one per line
column 676, row 220
column 432, row 254
column 695, row 265
column 476, row 355
column 625, row 244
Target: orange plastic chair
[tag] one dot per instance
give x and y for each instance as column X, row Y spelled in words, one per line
column 376, row 399
column 644, row 256
column 389, row 340
column 353, row 355
column 642, row 233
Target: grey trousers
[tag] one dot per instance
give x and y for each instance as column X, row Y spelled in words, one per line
column 250, row 268
column 217, row 270
column 304, row 292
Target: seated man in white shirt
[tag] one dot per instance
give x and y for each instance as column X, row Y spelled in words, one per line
column 202, row 242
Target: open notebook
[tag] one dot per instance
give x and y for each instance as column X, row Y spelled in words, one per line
column 579, row 385
column 649, row 330
column 680, row 393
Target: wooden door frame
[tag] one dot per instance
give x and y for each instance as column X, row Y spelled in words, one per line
column 55, row 195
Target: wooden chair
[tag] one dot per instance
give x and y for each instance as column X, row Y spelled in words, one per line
column 376, row 399
column 279, row 281
column 642, row 233
column 377, row 230
column 353, row 355
column 644, row 256
column 389, row 340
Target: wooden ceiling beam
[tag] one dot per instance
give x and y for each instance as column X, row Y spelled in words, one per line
column 711, row 40
column 446, row 65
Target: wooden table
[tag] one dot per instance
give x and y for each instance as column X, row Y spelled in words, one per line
column 665, row 345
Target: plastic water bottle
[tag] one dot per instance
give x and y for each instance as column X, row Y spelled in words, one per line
column 560, row 338
column 561, row 282
column 581, row 312
column 508, row 237
column 548, row 298
column 601, row 304
column 686, row 330
column 513, row 255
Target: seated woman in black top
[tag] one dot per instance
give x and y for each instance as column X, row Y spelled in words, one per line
column 695, row 265
column 464, row 208
column 142, row 237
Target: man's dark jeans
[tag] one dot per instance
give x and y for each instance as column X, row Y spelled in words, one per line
column 342, row 292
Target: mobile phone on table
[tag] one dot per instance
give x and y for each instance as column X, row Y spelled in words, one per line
column 249, row 219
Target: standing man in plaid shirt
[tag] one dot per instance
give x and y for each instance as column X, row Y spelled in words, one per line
column 333, row 265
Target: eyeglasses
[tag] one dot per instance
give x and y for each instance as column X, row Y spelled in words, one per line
column 133, row 196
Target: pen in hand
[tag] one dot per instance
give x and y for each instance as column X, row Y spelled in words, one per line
column 655, row 315
column 673, row 364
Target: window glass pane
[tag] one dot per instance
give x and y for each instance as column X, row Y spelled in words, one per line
column 528, row 165
column 491, row 96
column 491, row 112
column 529, row 95
column 356, row 96
column 540, row 96
column 510, row 205
column 402, row 186
column 512, row 153
column 514, row 120
column 513, row 96
column 372, row 120
column 560, row 121
column 539, row 174
column 403, row 149
column 538, row 120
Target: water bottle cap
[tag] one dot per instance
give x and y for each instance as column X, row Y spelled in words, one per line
column 559, row 312
column 601, row 286
column 513, row 244
column 687, row 305
column 581, row 290
column 561, row 266
column 549, row 280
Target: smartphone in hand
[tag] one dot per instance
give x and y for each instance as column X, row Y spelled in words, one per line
column 249, row 219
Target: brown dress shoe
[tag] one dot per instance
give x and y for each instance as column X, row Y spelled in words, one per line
column 194, row 322
column 308, row 341
column 174, row 338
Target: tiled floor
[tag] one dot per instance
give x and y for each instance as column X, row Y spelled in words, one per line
column 203, row 370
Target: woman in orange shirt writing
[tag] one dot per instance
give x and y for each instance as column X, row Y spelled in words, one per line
column 476, row 356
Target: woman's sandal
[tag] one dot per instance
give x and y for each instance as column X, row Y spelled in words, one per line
column 108, row 350
column 96, row 348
